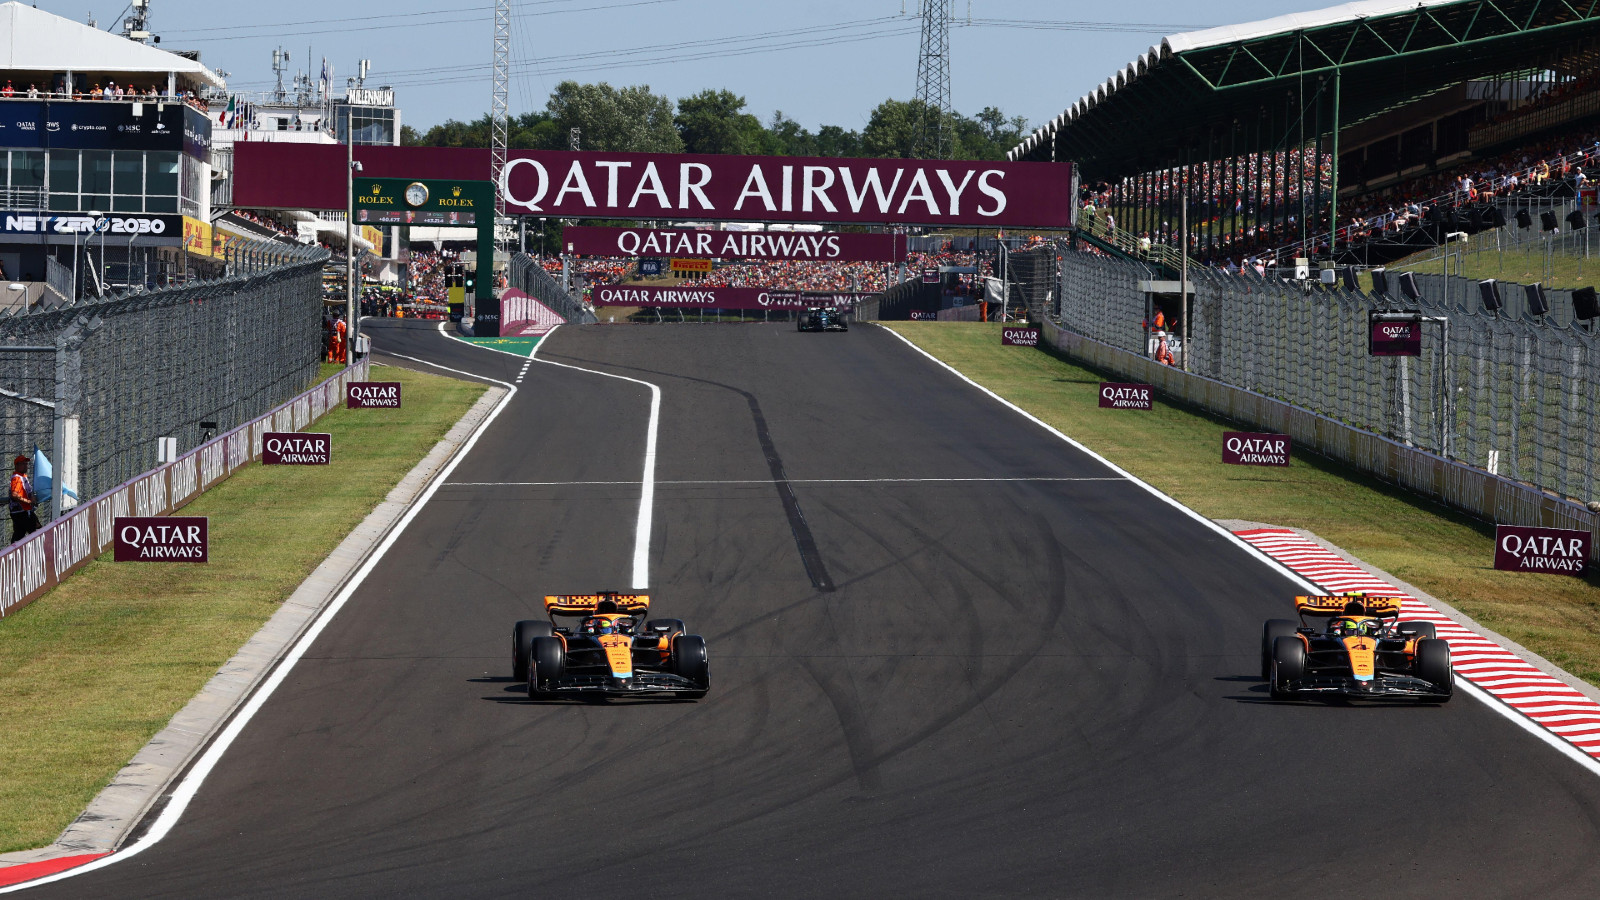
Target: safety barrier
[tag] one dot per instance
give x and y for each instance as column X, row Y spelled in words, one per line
column 42, row 560
column 1467, row 488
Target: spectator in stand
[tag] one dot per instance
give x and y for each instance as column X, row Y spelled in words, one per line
column 8, row 90
column 33, row 92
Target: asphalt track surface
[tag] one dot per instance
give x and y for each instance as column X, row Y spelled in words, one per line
column 1000, row 688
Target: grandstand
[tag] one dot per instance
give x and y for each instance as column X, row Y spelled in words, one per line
column 1359, row 133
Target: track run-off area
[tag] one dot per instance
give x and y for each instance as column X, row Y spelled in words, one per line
column 951, row 654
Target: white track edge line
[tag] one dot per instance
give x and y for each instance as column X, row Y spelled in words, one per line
column 647, row 492
column 1489, row 700
column 190, row 783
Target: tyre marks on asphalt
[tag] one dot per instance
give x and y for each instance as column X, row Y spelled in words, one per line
column 804, row 540
column 1557, row 708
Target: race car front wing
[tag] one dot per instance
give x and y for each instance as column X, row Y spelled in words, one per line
column 638, row 683
column 1379, row 687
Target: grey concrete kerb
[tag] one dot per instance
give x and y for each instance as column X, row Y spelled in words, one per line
column 112, row 815
column 1445, row 609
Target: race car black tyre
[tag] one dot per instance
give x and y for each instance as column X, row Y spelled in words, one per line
column 1433, row 664
column 1274, row 629
column 674, row 626
column 1420, row 629
column 522, row 636
column 1288, row 664
column 548, row 662
column 689, row 661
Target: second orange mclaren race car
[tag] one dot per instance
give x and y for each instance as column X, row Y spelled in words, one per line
column 1360, row 650
column 611, row 652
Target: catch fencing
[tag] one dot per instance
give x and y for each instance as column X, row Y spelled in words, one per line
column 96, row 383
column 1512, row 397
column 529, row 277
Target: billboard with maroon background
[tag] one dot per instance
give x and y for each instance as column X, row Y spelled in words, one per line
column 606, row 185
column 1552, row 551
column 1241, row 448
column 827, row 246
column 293, row 449
column 1013, row 336
column 1394, row 335
column 161, row 539
column 690, row 297
column 1126, row 396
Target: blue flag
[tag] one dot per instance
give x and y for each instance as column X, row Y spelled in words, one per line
column 44, row 481
column 43, row 477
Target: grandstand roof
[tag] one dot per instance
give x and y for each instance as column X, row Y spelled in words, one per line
column 1387, row 53
column 32, row 40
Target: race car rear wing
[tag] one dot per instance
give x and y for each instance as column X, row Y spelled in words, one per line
column 590, row 604
column 1334, row 605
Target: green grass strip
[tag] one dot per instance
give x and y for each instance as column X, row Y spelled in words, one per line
column 1179, row 451
column 94, row 669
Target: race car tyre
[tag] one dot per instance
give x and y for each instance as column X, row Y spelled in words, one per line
column 549, row 661
column 1274, row 629
column 522, row 636
column 1288, row 664
column 1433, row 665
column 689, row 661
column 674, row 627
column 1420, row 629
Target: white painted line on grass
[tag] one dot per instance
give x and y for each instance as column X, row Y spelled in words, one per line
column 190, row 784
column 1523, row 722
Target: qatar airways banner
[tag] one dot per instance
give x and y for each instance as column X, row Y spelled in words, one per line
column 824, row 246
column 691, row 297
column 598, row 184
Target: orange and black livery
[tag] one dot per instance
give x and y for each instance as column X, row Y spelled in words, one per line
column 611, row 652
column 1354, row 646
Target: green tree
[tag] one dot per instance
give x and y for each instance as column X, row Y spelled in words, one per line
column 892, row 128
column 630, row 119
column 715, row 122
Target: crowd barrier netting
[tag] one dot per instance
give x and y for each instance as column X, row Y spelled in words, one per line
column 1502, row 422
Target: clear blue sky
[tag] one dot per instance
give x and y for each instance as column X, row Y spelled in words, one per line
column 819, row 61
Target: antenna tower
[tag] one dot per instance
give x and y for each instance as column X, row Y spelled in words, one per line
column 500, row 105
column 932, row 141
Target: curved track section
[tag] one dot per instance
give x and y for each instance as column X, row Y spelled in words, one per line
column 951, row 656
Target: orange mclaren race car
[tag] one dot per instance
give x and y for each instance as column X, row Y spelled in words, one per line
column 609, row 653
column 1361, row 650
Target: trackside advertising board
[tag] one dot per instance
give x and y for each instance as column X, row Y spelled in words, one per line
column 45, row 558
column 292, row 449
column 595, row 184
column 826, row 246
column 161, row 539
column 372, row 395
column 1394, row 334
column 1126, row 396
column 1552, row 551
column 690, row 297
column 1019, row 337
column 1245, row 449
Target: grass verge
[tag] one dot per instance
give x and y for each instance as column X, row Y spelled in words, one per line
column 1179, row 451
column 91, row 671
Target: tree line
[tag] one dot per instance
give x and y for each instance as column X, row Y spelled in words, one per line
column 632, row 119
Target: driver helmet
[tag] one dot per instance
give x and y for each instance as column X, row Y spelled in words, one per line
column 605, row 626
